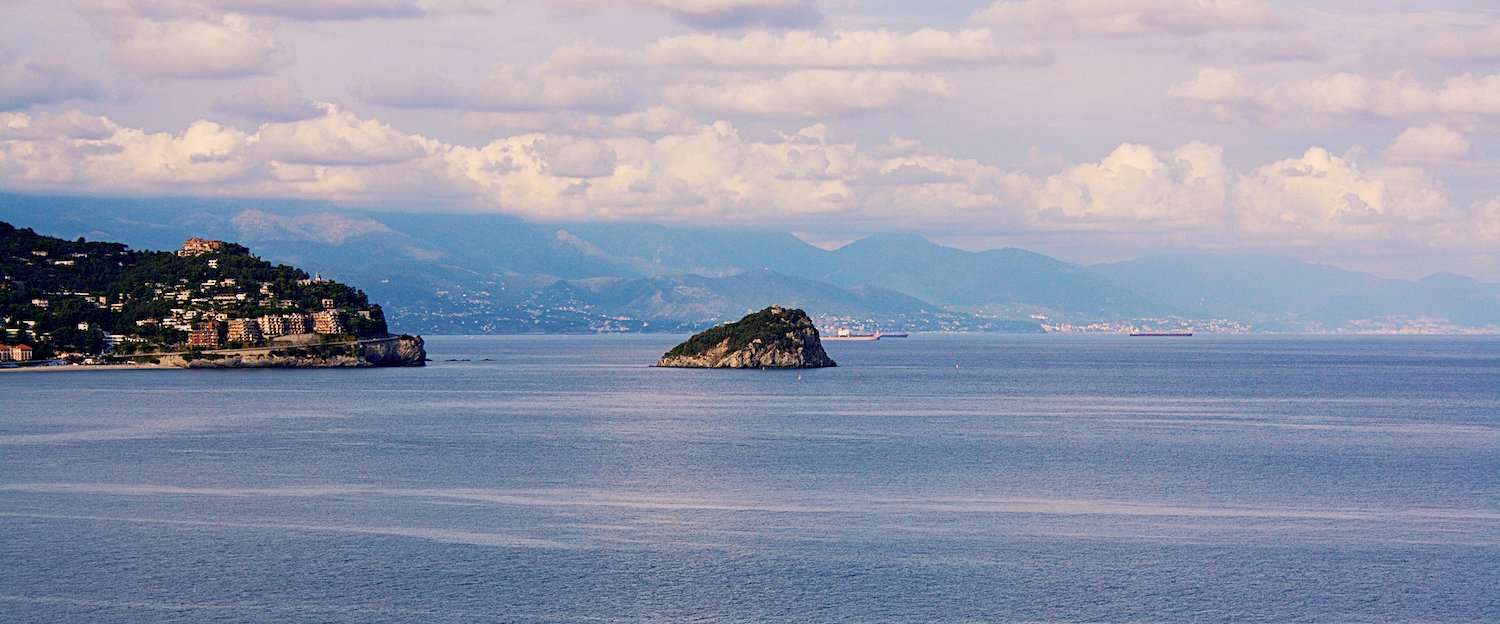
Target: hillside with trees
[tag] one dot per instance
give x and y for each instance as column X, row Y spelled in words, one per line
column 79, row 298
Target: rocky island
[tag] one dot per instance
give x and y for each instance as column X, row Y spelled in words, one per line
column 775, row 337
column 210, row 304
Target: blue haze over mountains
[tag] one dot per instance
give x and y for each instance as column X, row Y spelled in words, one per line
column 445, row 273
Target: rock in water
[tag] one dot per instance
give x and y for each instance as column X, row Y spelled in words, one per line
column 771, row 338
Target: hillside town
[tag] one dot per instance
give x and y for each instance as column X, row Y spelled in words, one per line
column 78, row 301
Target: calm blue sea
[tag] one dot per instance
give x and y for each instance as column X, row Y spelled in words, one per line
column 932, row 479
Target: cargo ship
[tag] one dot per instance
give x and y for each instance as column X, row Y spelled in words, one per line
column 844, row 334
column 1165, row 334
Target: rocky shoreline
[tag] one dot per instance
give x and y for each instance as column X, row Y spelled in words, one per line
column 391, row 351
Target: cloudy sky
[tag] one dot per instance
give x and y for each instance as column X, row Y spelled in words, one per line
column 1362, row 134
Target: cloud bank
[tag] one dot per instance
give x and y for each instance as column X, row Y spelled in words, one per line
column 1233, row 97
column 1134, row 124
column 714, row 14
column 715, row 173
column 192, row 43
column 1119, row 18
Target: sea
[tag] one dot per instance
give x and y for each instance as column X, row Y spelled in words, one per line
column 938, row 478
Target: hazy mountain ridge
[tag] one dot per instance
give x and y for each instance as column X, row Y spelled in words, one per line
column 500, row 274
column 1277, row 290
column 952, row 277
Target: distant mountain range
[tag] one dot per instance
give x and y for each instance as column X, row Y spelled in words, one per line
column 438, row 273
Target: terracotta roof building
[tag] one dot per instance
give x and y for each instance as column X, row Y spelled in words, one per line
column 195, row 246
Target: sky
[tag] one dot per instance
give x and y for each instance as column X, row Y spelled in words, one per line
column 1358, row 134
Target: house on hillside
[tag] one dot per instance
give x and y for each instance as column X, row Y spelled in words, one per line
column 197, row 246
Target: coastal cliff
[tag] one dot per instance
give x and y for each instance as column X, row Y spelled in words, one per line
column 771, row 338
column 391, row 351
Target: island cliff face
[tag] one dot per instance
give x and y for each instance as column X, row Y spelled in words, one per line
column 771, row 338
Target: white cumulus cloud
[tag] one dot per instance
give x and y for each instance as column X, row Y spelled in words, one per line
column 844, row 49
column 319, row 10
column 1487, row 223
column 1466, row 95
column 1321, row 196
column 335, row 138
column 574, row 157
column 1084, row 18
column 186, row 43
column 807, row 94
column 1139, row 186
column 1189, row 197
column 99, row 155
column 732, row 13
column 1232, row 97
column 45, row 127
column 1430, row 143
column 504, row 88
column 1336, row 94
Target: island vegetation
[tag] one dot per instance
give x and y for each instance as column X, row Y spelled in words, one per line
column 101, row 301
column 775, row 337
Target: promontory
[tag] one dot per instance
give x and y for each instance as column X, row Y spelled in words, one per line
column 210, row 304
column 775, row 337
